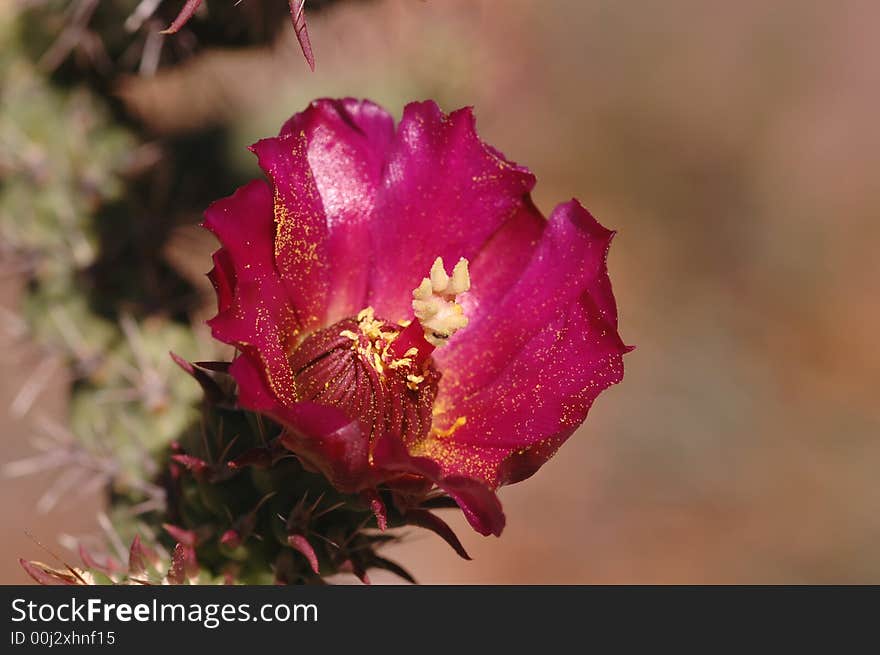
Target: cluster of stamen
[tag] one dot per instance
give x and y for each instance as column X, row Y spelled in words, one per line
column 381, row 373
column 374, row 343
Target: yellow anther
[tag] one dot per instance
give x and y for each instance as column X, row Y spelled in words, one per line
column 400, row 363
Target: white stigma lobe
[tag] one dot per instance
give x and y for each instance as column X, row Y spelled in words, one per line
column 434, row 302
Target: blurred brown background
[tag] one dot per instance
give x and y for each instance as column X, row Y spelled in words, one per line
column 736, row 148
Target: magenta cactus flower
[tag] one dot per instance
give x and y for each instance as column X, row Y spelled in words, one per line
column 401, row 307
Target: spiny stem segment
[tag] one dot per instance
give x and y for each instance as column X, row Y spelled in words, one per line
column 297, row 16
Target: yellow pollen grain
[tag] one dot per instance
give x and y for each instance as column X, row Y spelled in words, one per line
column 448, row 432
column 413, row 381
column 400, row 363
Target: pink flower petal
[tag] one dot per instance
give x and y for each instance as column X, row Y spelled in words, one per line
column 477, row 501
column 569, row 260
column 545, row 353
column 300, row 239
column 222, row 276
column 444, row 193
column 260, row 316
column 346, row 145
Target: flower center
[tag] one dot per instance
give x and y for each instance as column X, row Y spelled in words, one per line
column 381, row 373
